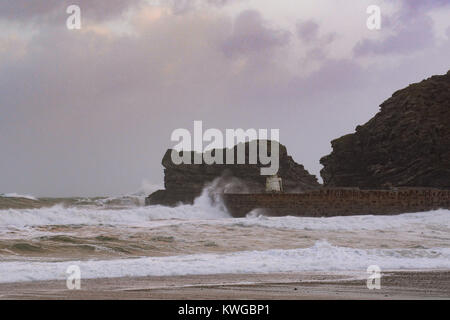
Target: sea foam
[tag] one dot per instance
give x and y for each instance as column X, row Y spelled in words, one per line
column 320, row 257
column 16, row 195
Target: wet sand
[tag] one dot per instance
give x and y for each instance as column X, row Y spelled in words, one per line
column 394, row 285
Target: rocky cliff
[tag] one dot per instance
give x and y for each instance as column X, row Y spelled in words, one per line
column 407, row 143
column 184, row 182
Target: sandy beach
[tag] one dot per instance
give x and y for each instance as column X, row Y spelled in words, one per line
column 394, row 285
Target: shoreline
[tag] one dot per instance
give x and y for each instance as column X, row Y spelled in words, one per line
column 276, row 286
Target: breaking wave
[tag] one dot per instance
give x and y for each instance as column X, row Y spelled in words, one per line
column 16, row 195
column 439, row 218
column 203, row 208
column 322, row 256
column 21, row 228
column 203, row 212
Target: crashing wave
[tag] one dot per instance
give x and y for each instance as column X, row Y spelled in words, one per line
column 16, row 195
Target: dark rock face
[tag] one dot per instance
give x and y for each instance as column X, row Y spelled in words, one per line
column 407, row 143
column 184, row 182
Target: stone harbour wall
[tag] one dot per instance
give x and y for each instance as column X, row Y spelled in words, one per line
column 339, row 202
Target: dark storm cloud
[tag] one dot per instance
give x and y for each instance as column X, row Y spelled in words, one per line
column 252, row 34
column 412, row 35
column 47, row 11
column 413, row 30
column 25, row 9
column 423, row 5
column 221, row 3
column 308, row 30
column 180, row 7
column 308, row 33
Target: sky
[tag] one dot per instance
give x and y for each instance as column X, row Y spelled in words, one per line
column 91, row 111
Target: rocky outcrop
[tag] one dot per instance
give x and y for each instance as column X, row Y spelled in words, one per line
column 407, row 143
column 184, row 182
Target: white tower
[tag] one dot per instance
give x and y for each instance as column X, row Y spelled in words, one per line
column 274, row 184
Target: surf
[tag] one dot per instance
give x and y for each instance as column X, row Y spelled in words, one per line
column 322, row 256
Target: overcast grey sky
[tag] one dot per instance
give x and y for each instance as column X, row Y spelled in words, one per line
column 90, row 111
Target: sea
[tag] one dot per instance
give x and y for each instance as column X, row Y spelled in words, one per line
column 108, row 237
